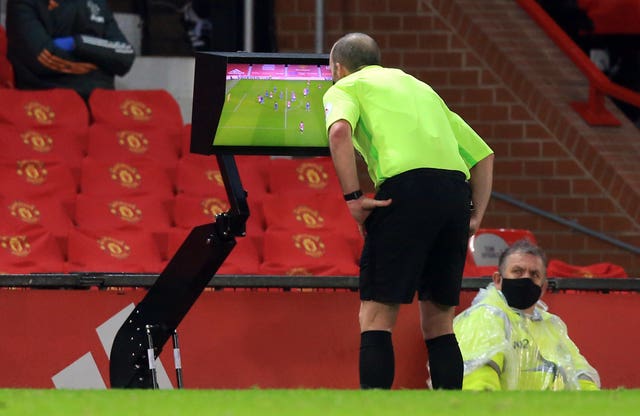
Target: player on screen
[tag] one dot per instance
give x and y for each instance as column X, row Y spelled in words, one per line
column 308, row 106
column 275, row 106
column 301, row 127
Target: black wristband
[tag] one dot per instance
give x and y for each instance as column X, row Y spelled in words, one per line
column 353, row 195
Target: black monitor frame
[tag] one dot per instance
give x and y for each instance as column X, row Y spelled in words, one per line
column 209, row 95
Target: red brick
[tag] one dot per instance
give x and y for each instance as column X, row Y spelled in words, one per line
column 550, row 149
column 618, row 223
column 433, row 41
column 499, row 113
column 538, row 167
column 525, row 149
column 524, row 186
column 584, row 187
column 600, row 205
column 374, row 6
column 504, row 95
column 519, row 113
column 556, row 186
column 567, row 167
column 570, row 205
column 296, row 23
column 570, row 240
column 464, row 77
column 417, row 23
column 397, row 6
column 477, row 95
column 417, row 59
column 387, row 23
column 449, row 60
column 509, row 168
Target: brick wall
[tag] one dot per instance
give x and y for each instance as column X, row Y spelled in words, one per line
column 499, row 71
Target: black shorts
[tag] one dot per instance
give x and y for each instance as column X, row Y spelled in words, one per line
column 419, row 242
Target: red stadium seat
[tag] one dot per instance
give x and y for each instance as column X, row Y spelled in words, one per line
column 123, row 251
column 244, row 259
column 35, row 177
column 51, row 214
column 125, row 177
column 486, row 246
column 318, row 253
column 310, row 211
column 136, row 109
column 191, row 211
column 200, row 175
column 558, row 268
column 107, row 142
column 56, row 107
column 30, row 250
column 146, row 212
column 291, row 175
column 63, row 143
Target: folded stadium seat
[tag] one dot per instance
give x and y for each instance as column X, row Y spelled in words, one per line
column 31, row 249
column 115, row 251
column 244, row 259
column 36, row 177
column 140, row 176
column 63, row 143
column 6, row 69
column 108, row 142
column 318, row 253
column 148, row 212
column 299, row 174
column 136, row 109
column 558, row 268
column 51, row 214
column 57, row 107
column 308, row 211
column 200, row 175
column 191, row 211
column 485, row 247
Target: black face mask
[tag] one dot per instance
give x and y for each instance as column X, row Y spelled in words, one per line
column 520, row 293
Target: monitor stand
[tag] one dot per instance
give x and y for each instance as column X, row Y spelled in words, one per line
column 178, row 287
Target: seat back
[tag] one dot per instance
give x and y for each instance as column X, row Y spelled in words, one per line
column 136, row 109
column 58, row 107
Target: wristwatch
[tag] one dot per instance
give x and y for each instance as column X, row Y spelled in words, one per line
column 353, row 195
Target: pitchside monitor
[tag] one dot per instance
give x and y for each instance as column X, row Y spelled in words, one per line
column 260, row 104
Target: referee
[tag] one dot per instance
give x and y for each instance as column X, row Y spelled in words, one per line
column 429, row 169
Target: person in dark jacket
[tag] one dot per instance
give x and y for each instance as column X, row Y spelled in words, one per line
column 66, row 44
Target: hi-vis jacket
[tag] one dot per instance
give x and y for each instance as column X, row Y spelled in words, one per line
column 505, row 349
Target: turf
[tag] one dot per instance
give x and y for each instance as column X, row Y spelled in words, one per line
column 316, row 402
column 244, row 121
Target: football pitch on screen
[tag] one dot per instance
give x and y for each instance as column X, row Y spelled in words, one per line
column 301, row 402
column 273, row 113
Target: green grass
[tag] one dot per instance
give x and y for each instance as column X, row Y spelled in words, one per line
column 242, row 114
column 316, row 402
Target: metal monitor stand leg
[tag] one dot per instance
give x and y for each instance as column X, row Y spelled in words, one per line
column 176, row 290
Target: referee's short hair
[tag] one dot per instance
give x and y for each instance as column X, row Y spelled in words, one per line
column 356, row 50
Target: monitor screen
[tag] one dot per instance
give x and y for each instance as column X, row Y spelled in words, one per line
column 247, row 103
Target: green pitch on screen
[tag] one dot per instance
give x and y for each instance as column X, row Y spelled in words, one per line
column 245, row 121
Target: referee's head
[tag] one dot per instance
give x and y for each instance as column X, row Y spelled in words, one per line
column 352, row 52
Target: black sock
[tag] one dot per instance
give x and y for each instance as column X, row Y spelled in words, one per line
column 445, row 362
column 377, row 363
